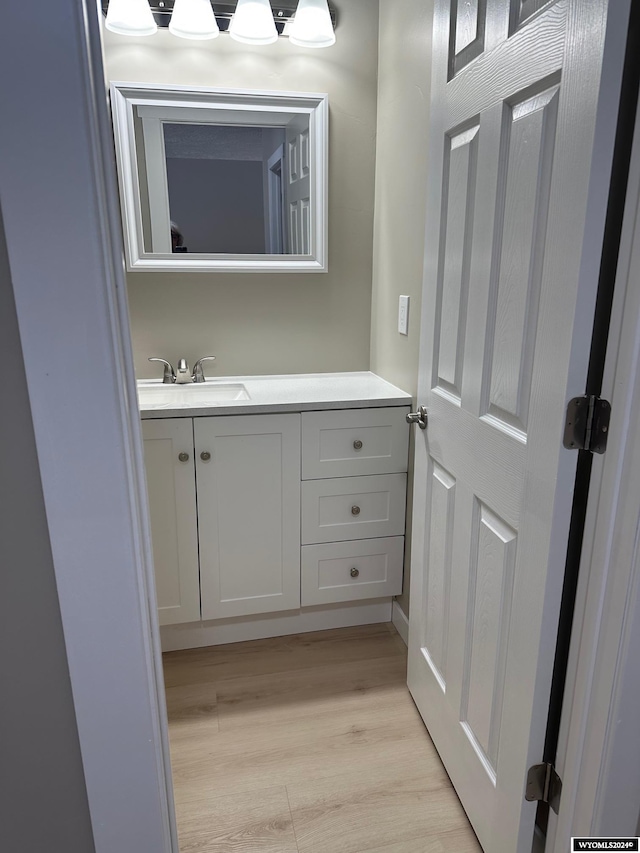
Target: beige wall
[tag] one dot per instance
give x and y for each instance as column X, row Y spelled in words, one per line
column 347, row 319
column 257, row 323
column 404, row 63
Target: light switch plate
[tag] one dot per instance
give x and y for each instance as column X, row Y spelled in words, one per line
column 403, row 315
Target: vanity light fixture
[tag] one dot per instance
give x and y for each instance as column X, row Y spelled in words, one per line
column 253, row 23
column 130, row 18
column 312, row 25
column 308, row 23
column 193, row 19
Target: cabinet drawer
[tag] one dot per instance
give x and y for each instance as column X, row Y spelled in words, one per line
column 346, row 571
column 353, row 508
column 350, row 442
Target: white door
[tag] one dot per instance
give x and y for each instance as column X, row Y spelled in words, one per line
column 171, row 486
column 275, row 203
column 508, row 303
column 298, row 187
column 248, row 474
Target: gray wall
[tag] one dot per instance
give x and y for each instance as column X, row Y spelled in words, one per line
column 404, row 65
column 43, row 802
column 218, row 204
column 257, row 323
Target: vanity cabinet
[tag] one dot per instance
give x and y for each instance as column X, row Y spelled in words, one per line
column 269, row 513
column 234, row 550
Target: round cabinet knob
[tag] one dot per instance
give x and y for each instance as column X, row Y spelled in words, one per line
column 355, row 510
column 357, row 444
column 205, row 456
column 354, row 572
column 183, row 457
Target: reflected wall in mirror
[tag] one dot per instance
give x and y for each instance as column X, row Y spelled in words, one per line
column 222, row 180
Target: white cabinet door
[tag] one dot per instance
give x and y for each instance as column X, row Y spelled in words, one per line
column 171, row 485
column 248, row 513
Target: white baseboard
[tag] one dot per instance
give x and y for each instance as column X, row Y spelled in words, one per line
column 194, row 635
column 400, row 621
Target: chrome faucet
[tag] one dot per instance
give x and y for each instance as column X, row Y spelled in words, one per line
column 198, row 372
column 182, row 375
column 169, row 375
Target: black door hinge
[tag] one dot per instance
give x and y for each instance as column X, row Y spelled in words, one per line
column 544, row 785
column 587, row 424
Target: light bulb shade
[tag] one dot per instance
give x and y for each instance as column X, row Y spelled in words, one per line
column 253, row 23
column 193, row 19
column 130, row 18
column 312, row 25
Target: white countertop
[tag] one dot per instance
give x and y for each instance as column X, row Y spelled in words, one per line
column 288, row 393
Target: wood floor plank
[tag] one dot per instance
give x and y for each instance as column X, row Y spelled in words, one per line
column 459, row 841
column 432, row 844
column 192, row 707
column 280, row 654
column 462, row 840
column 256, row 822
column 294, row 695
column 356, row 812
column 307, row 744
column 289, row 752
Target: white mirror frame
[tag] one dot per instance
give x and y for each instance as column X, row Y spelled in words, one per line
column 126, row 97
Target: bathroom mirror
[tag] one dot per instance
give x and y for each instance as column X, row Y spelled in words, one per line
column 221, row 180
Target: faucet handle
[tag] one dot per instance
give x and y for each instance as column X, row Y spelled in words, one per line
column 169, row 375
column 198, row 372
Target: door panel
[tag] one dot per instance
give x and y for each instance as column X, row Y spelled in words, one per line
column 523, row 10
column 298, row 188
column 506, row 325
column 438, row 582
column 458, row 196
column 529, row 130
column 488, row 618
column 467, row 32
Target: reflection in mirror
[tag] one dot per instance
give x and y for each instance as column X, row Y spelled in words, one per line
column 216, row 178
column 234, row 180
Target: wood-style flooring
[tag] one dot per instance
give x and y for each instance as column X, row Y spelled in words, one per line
column 306, row 744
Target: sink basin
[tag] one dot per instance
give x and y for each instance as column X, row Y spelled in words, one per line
column 189, row 396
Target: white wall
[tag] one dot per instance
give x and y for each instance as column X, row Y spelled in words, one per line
column 42, row 789
column 59, row 199
column 257, row 323
column 404, row 67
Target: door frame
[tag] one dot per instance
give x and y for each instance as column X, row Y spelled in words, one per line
column 599, row 750
column 87, row 373
column 64, row 244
